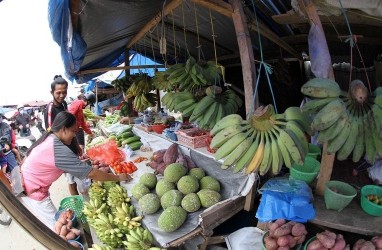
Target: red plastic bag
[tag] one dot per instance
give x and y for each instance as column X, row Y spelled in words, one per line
column 106, row 153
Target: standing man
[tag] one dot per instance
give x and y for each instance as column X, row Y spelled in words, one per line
column 59, row 91
column 76, row 108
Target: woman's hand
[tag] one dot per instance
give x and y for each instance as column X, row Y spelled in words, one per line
column 124, row 177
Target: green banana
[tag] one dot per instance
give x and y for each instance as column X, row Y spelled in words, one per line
column 230, row 145
column 247, row 156
column 264, row 165
column 292, row 148
column 298, row 131
column 314, row 105
column 227, row 133
column 328, row 115
column 370, row 150
column 321, row 88
column 331, row 132
column 226, row 121
column 240, row 150
column 295, row 114
column 337, row 142
column 359, row 148
column 346, row 149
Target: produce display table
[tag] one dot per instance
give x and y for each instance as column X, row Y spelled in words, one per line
column 350, row 219
column 235, row 190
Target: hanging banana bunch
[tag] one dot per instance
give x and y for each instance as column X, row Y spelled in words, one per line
column 349, row 122
column 160, row 80
column 264, row 142
column 141, row 83
column 121, row 84
column 144, row 101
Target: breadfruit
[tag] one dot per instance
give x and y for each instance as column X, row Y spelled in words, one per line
column 191, row 202
column 149, row 180
column 208, row 182
column 139, row 190
column 171, row 198
column 188, row 184
column 149, row 203
column 198, row 173
column 174, row 171
column 163, row 186
column 172, row 218
column 208, row 197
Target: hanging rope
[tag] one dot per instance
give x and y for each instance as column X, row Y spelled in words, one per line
column 164, row 57
column 184, row 31
column 352, row 40
column 162, row 41
column 267, row 67
column 199, row 47
column 152, row 49
column 173, row 33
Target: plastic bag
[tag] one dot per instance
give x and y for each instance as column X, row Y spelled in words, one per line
column 375, row 172
column 284, row 198
column 106, row 153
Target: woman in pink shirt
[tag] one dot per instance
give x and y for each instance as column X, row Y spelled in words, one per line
column 48, row 159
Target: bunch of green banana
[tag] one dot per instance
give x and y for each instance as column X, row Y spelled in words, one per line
column 107, row 231
column 140, row 239
column 143, row 101
column 213, row 107
column 97, row 192
column 264, row 142
column 125, row 217
column 98, row 247
column 160, row 81
column 116, row 196
column 140, row 85
column 93, row 208
column 111, row 119
column 121, row 84
column 349, row 122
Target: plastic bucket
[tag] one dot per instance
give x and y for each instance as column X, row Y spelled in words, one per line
column 338, row 195
column 314, row 151
column 369, row 206
column 306, row 172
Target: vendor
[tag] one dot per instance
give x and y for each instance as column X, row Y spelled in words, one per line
column 47, row 159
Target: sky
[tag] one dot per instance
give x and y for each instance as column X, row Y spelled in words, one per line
column 29, row 58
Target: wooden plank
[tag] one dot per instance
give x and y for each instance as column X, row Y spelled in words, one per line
column 250, row 199
column 91, row 71
column 197, row 231
column 246, row 54
column 351, row 219
column 354, row 17
column 216, row 5
column 154, row 21
column 327, row 160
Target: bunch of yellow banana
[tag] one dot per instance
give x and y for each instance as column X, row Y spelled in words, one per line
column 264, row 142
column 194, row 74
column 140, row 239
column 141, row 84
column 143, row 101
column 116, row 196
column 349, row 122
column 93, row 208
column 160, row 81
column 107, row 231
column 97, row 192
column 213, row 107
column 125, row 217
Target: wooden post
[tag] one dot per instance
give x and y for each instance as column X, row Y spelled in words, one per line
column 248, row 68
column 246, row 53
column 327, row 160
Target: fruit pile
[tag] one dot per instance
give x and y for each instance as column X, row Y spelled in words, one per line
column 181, row 191
column 127, row 137
column 349, row 122
column 375, row 199
column 120, row 167
column 264, row 142
column 114, row 219
column 284, row 234
column 328, row 240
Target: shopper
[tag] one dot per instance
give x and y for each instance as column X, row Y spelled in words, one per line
column 50, row 157
column 22, row 121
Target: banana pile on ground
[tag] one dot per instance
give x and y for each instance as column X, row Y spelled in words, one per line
column 179, row 192
column 115, row 221
column 194, row 74
column 349, row 122
column 262, row 143
column 127, row 137
column 208, row 110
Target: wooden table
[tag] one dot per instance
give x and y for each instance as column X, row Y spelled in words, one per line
column 350, row 219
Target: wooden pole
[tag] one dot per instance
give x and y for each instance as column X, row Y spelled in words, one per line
column 327, row 160
column 248, row 68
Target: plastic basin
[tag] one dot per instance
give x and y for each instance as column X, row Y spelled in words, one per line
column 158, row 128
column 297, row 247
column 369, row 206
column 314, row 151
column 338, row 195
column 306, row 172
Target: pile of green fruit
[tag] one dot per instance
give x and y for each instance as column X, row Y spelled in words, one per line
column 375, row 199
column 178, row 193
column 127, row 137
column 114, row 219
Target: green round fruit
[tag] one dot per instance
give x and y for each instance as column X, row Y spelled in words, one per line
column 209, row 182
column 172, row 218
column 149, row 203
column 198, row 173
column 191, row 202
column 171, row 198
column 139, row 190
column 208, row 197
column 174, row 172
column 163, row 186
column 149, row 180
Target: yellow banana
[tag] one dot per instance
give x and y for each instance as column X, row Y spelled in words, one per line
column 258, row 156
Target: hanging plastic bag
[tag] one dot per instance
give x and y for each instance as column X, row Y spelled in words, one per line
column 284, row 198
column 106, row 153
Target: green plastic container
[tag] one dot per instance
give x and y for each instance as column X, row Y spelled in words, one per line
column 314, row 151
column 306, row 172
column 341, row 198
column 367, row 205
column 308, row 242
column 75, row 203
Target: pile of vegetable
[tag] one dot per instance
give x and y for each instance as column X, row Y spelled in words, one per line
column 284, row 235
column 374, row 243
column 63, row 226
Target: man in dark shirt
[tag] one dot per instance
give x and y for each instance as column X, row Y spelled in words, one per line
column 22, row 121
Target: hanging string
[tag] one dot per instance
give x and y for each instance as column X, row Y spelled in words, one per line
column 145, row 50
column 152, row 49
column 164, row 57
column 213, row 37
column 173, row 32
column 199, row 47
column 184, row 31
column 352, row 39
column 267, row 67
